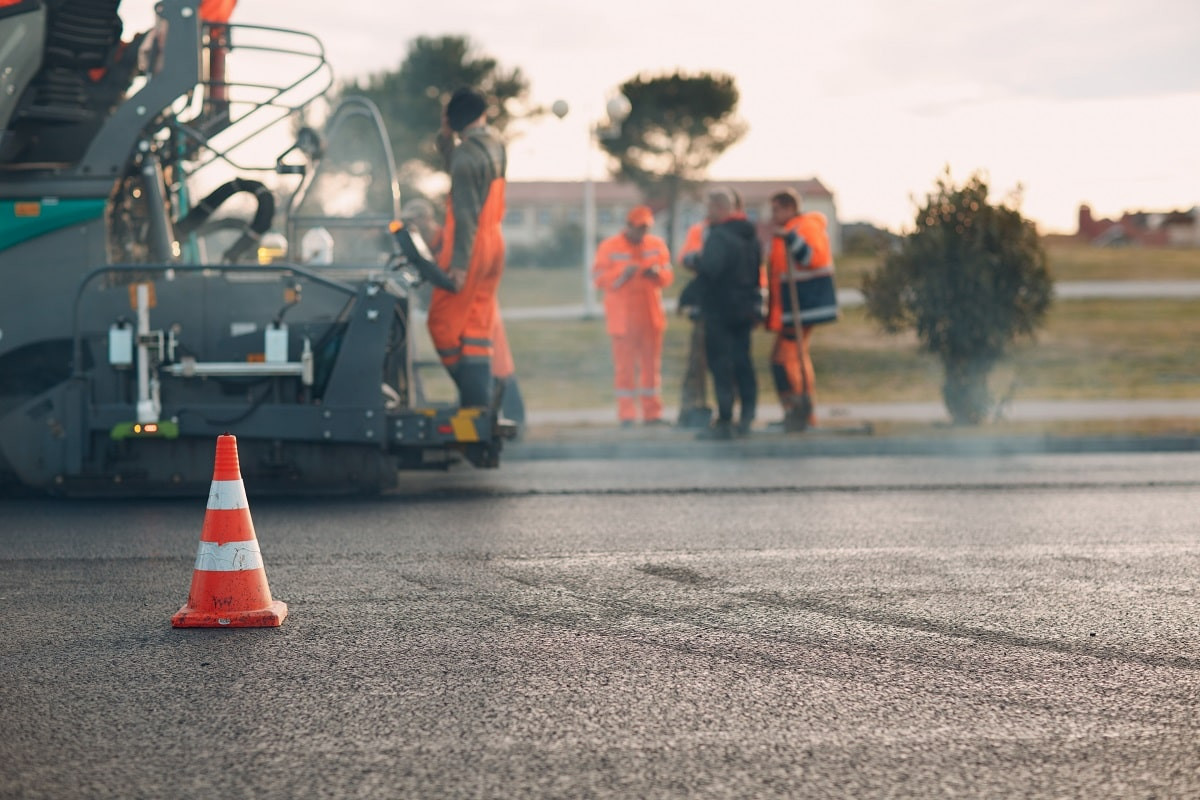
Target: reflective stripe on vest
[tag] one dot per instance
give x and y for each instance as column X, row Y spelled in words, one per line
column 810, row 314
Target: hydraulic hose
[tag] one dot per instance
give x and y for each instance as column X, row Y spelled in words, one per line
column 254, row 230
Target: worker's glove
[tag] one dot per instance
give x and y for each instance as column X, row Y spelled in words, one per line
column 691, row 260
column 798, row 248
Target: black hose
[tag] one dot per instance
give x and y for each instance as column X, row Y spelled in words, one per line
column 254, row 230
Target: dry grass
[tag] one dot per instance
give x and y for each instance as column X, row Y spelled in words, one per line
column 1078, row 262
column 1068, row 262
column 1088, row 350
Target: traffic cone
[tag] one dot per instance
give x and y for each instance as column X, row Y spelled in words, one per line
column 229, row 584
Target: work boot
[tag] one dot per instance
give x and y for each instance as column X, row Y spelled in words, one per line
column 513, row 405
column 474, row 385
column 695, row 417
column 720, row 431
column 804, row 409
column 794, row 423
column 499, row 386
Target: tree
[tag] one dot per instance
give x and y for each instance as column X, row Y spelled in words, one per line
column 412, row 97
column 970, row 279
column 677, row 126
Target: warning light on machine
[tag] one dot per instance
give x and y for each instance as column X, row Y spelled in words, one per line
column 163, row 429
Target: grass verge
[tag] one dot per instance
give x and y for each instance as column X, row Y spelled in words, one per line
column 1111, row 349
column 1068, row 262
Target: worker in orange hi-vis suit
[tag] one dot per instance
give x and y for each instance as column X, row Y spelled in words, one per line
column 419, row 213
column 802, row 240
column 632, row 268
column 462, row 323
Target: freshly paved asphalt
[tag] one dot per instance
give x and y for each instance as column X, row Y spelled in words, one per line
column 821, row 627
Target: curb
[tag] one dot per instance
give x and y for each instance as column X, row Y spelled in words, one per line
column 861, row 445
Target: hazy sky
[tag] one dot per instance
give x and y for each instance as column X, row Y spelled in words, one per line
column 1095, row 101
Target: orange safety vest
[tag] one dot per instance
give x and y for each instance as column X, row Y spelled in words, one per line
column 811, row 227
column 635, row 303
column 462, row 323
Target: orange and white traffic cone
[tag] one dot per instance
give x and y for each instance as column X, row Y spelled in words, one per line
column 229, row 584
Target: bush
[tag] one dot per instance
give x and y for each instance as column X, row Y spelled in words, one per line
column 970, row 279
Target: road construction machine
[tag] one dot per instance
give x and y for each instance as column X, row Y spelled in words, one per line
column 142, row 315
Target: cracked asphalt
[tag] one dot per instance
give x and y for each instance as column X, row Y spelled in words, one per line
column 820, row 627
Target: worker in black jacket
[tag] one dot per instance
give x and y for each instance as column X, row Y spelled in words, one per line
column 728, row 276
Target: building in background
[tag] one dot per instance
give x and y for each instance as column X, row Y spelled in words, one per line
column 541, row 213
column 1142, row 228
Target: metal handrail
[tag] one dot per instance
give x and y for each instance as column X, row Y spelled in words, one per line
column 282, row 269
column 321, row 64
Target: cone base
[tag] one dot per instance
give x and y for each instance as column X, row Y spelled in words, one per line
column 270, row 617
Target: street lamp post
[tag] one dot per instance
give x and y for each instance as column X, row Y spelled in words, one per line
column 589, row 236
column 617, row 109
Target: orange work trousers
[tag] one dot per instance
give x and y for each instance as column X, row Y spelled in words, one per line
column 792, row 369
column 461, row 323
column 637, row 373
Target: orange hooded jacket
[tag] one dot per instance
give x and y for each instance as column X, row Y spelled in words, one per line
column 812, row 227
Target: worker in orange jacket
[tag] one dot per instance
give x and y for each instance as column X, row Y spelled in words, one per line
column 419, row 214
column 461, row 323
column 800, row 243
column 632, row 268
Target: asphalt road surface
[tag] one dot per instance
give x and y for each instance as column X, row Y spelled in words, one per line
column 856, row 627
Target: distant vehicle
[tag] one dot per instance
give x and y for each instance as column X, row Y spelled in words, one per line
column 137, row 324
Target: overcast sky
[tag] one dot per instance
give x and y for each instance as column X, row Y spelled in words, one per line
column 1075, row 101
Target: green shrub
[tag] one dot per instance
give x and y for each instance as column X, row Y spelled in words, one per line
column 969, row 280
